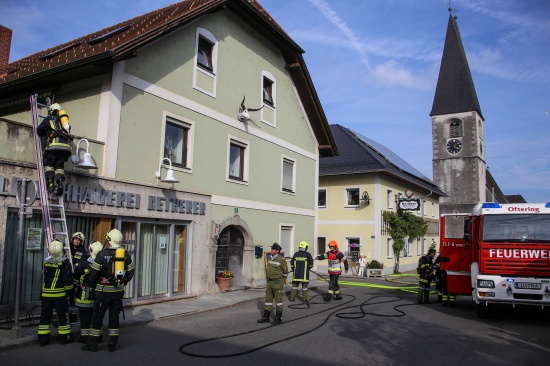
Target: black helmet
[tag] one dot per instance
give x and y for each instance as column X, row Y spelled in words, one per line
column 432, row 250
column 276, row 246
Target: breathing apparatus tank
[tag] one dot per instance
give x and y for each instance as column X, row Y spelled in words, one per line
column 119, row 271
column 64, row 118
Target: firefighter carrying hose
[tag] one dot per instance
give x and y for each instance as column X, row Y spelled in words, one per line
column 57, row 130
column 335, row 257
column 301, row 263
column 111, row 270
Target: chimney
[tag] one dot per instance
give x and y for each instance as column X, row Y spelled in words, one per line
column 5, row 45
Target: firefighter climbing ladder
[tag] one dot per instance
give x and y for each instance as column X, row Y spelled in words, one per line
column 53, row 209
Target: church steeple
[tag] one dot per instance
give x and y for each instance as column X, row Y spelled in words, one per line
column 455, row 91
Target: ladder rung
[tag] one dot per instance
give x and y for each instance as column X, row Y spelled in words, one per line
column 61, row 234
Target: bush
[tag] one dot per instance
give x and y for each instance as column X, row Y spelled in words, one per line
column 374, row 264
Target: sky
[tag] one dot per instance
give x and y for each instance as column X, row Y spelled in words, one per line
column 375, row 63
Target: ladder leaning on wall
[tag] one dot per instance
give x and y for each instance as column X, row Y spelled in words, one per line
column 53, row 209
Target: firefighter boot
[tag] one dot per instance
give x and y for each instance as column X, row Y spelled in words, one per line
column 304, row 295
column 338, row 296
column 427, row 296
column 112, row 347
column 89, row 347
column 278, row 318
column 60, row 185
column 439, row 298
column 265, row 317
column 49, row 185
column 65, row 339
column 293, row 293
column 327, row 297
column 419, row 295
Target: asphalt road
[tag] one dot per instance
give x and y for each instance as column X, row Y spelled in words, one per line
column 370, row 326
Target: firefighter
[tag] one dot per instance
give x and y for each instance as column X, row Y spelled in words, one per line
column 58, row 148
column 78, row 252
column 438, row 278
column 83, row 294
column 335, row 258
column 57, row 285
column 301, row 263
column 111, row 270
column 276, row 272
column 425, row 267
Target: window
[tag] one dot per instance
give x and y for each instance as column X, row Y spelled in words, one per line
column 204, row 53
column 455, row 128
column 237, row 168
column 389, row 248
column 406, row 248
column 433, row 209
column 288, row 178
column 286, row 239
column 321, row 245
column 389, row 199
column 354, row 245
column 424, row 250
column 178, row 141
column 322, row 198
column 206, row 61
column 418, row 247
column 352, row 197
column 268, row 92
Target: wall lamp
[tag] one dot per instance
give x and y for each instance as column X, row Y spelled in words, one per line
column 169, row 174
column 87, row 162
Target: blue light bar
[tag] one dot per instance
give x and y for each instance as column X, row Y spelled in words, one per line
column 547, row 205
column 491, row 205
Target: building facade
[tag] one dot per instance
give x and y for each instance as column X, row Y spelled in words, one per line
column 169, row 90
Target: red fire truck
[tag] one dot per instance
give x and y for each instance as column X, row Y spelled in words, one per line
column 498, row 254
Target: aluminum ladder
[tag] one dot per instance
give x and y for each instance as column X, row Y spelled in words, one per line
column 53, row 209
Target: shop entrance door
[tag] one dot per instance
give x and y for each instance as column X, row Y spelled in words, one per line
column 153, row 267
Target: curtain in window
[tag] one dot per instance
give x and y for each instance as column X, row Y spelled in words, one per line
column 286, row 236
column 288, row 171
column 174, row 143
column 153, row 261
column 235, row 161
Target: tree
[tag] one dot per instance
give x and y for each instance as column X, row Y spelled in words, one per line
column 401, row 226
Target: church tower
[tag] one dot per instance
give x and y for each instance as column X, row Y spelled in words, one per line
column 459, row 167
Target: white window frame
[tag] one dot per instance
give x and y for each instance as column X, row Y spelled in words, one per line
column 424, row 250
column 267, row 75
column 186, row 123
column 346, row 189
column 317, row 246
column 348, row 248
column 246, row 159
column 201, row 32
column 418, row 248
column 389, row 249
column 291, row 250
column 326, row 198
column 433, row 209
column 389, row 199
column 288, row 160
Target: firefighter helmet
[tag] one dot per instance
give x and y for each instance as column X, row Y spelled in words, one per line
column 78, row 235
column 55, row 248
column 276, row 246
column 303, row 245
column 95, row 248
column 55, row 107
column 333, row 243
column 114, row 238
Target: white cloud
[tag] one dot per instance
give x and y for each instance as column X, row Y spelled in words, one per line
column 390, row 73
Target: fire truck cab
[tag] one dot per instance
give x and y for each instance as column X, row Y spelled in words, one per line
column 498, row 254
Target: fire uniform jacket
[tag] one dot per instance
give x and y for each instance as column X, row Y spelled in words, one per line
column 424, row 267
column 81, row 278
column 301, row 263
column 58, row 280
column 102, row 276
column 58, row 138
column 334, row 260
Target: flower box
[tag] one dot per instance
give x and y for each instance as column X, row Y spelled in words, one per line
column 374, row 272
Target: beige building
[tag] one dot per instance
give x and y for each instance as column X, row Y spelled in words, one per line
column 355, row 189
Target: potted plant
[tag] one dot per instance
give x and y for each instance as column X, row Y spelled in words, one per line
column 374, row 268
column 223, row 279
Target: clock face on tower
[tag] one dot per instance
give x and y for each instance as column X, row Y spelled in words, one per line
column 454, row 146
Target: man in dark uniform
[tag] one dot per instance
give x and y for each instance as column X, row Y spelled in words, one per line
column 58, row 148
column 78, row 255
column 301, row 263
column 276, row 272
column 425, row 267
column 111, row 270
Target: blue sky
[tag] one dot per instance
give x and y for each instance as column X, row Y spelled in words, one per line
column 375, row 64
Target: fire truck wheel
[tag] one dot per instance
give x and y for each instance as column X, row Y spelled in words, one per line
column 482, row 310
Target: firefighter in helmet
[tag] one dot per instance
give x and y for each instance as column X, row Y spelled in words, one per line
column 301, row 263
column 58, row 147
column 57, row 286
column 78, row 254
column 276, row 272
column 335, row 258
column 425, row 267
column 111, row 270
column 84, row 295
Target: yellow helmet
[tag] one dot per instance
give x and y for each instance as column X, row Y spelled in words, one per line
column 303, row 245
column 114, row 238
column 95, row 248
column 56, row 250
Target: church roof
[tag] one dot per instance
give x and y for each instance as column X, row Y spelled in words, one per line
column 455, row 91
column 359, row 155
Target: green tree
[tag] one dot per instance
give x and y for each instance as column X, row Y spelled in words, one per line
column 401, row 226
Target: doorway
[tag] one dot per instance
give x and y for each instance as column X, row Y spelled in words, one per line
column 229, row 255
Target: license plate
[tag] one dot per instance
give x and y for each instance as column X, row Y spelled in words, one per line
column 527, row 285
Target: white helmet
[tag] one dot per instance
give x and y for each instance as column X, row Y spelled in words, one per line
column 95, row 248
column 78, row 235
column 114, row 238
column 55, row 248
column 55, row 107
